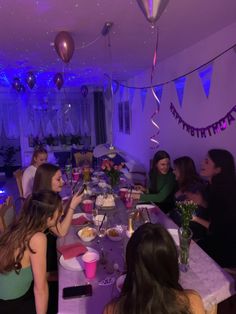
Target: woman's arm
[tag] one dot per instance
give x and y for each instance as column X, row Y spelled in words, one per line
column 201, row 221
column 38, row 243
column 63, row 226
column 196, row 303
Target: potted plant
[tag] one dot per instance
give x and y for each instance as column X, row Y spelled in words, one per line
column 8, row 157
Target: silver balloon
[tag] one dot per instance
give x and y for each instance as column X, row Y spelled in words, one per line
column 152, row 9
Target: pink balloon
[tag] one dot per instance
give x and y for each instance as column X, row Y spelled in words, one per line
column 58, row 80
column 152, row 9
column 64, row 45
column 30, row 79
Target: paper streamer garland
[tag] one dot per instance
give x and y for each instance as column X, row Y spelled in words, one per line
column 210, row 130
column 153, row 138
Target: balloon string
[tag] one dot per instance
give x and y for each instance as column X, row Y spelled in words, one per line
column 153, row 138
column 90, row 43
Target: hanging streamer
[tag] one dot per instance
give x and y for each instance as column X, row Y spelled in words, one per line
column 153, row 138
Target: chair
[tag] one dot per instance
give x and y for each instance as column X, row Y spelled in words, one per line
column 7, row 214
column 83, row 158
column 18, row 174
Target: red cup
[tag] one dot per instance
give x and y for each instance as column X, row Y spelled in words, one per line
column 129, row 202
column 87, row 206
column 75, row 176
column 90, row 264
column 123, row 192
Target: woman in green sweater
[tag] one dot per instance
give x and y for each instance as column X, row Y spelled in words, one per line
column 162, row 182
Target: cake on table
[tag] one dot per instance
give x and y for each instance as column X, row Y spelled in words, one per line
column 105, row 200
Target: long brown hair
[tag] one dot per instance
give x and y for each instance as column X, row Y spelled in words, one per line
column 43, row 177
column 33, row 218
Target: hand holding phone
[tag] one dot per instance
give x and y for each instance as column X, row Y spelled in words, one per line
column 77, row 291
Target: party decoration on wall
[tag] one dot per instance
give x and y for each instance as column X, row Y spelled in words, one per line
column 16, row 84
column 209, row 130
column 179, row 85
column 205, row 74
column 30, row 79
column 58, row 80
column 84, row 90
column 152, row 9
column 143, row 94
column 64, row 45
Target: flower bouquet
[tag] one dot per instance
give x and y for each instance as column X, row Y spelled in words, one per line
column 112, row 171
column 186, row 208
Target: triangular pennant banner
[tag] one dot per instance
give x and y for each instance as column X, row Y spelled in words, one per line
column 115, row 87
column 205, row 74
column 158, row 90
column 131, row 95
column 179, row 85
column 143, row 94
column 121, row 91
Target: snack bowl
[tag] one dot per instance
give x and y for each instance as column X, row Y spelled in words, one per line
column 115, row 233
column 87, row 234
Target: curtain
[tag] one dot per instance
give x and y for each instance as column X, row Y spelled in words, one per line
column 99, row 118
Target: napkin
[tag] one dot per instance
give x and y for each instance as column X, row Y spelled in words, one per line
column 72, row 250
column 82, row 220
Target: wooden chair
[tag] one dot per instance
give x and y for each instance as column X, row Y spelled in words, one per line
column 7, row 214
column 18, row 174
column 83, row 158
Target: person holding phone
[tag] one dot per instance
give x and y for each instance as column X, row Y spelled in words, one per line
column 23, row 280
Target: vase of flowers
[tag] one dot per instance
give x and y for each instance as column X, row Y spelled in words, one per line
column 186, row 208
column 112, row 171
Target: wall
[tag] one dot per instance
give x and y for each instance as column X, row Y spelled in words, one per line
column 197, row 110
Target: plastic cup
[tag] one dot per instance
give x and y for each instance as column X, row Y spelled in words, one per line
column 87, row 206
column 90, row 264
column 123, row 192
column 129, row 203
column 75, row 176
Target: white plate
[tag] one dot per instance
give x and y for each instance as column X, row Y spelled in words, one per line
column 175, row 236
column 75, row 263
column 87, row 239
column 118, row 238
column 119, row 282
column 148, row 206
column 87, row 216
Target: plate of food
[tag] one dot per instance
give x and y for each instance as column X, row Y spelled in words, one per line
column 87, row 234
column 120, row 281
column 115, row 233
column 81, row 219
column 75, row 263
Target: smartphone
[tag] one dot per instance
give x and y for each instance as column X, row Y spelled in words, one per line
column 77, row 292
column 81, row 189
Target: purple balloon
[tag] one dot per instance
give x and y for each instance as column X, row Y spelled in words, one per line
column 152, row 9
column 58, row 80
column 16, row 84
column 30, row 79
column 84, row 90
column 64, row 45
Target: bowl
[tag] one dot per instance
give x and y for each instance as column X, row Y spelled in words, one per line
column 87, row 234
column 119, row 282
column 115, row 233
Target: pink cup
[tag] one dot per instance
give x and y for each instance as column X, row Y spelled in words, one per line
column 123, row 192
column 88, row 206
column 129, row 203
column 90, row 264
column 75, row 176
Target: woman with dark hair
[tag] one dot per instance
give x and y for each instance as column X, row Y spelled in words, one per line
column 189, row 184
column 219, row 168
column 162, row 182
column 23, row 281
column 39, row 157
column 152, row 281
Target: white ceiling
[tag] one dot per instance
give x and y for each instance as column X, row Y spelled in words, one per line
column 28, row 29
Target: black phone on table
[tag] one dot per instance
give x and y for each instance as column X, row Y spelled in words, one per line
column 77, row 292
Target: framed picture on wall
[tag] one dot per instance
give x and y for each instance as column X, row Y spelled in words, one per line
column 127, row 117
column 120, row 116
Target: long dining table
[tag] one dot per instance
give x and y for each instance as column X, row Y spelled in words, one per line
column 204, row 275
